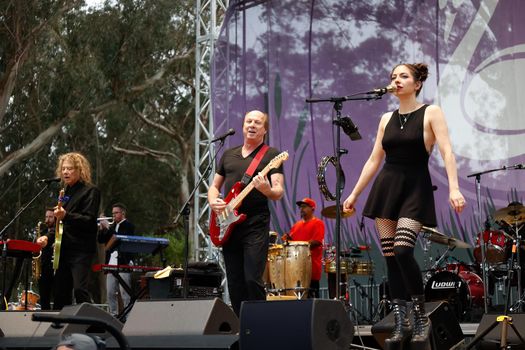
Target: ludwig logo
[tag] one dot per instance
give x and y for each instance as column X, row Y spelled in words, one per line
column 445, row 285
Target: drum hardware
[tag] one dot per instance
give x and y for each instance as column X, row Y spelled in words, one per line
column 477, row 177
column 514, row 264
column 513, row 214
column 383, row 307
column 331, row 212
column 362, row 292
column 440, row 238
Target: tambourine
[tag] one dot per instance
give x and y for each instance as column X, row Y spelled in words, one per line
column 321, row 177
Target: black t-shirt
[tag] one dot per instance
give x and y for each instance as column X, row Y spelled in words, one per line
column 232, row 167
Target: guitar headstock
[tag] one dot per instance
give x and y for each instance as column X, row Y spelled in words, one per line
column 278, row 160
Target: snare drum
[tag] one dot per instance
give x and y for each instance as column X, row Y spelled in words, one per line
column 497, row 245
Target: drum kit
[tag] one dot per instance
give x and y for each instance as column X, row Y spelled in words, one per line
column 461, row 284
column 27, row 300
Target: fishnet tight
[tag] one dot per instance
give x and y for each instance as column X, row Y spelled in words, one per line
column 398, row 239
column 397, row 233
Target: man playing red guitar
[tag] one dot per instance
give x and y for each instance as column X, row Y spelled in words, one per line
column 246, row 250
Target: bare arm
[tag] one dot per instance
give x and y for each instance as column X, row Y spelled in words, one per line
column 216, row 203
column 371, row 166
column 274, row 191
column 439, row 127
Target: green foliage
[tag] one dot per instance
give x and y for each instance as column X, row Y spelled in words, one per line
column 95, row 71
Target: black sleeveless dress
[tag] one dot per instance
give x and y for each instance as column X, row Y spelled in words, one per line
column 403, row 187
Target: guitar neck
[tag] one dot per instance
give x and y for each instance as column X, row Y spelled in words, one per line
column 238, row 200
column 59, row 205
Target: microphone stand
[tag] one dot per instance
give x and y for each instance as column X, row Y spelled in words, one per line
column 484, row 266
column 3, row 237
column 185, row 211
column 354, row 135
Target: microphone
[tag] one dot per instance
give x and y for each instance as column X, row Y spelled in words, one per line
column 222, row 137
column 49, row 180
column 381, row 91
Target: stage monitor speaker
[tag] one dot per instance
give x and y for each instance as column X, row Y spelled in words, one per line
column 295, row 324
column 85, row 310
column 189, row 317
column 492, row 339
column 19, row 324
column 446, row 332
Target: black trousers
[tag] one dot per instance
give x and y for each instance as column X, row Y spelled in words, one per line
column 245, row 256
column 314, row 289
column 45, row 285
column 71, row 277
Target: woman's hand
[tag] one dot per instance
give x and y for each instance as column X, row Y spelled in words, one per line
column 457, row 201
column 349, row 203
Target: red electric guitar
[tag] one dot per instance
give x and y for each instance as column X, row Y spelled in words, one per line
column 221, row 225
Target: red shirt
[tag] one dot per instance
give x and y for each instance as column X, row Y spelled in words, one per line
column 307, row 231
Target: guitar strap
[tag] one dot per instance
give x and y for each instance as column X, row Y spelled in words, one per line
column 247, row 177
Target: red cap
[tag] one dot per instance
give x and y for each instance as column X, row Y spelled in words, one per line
column 308, row 201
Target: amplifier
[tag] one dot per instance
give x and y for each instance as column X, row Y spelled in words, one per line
column 203, row 281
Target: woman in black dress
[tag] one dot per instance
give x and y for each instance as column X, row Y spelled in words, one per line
column 401, row 200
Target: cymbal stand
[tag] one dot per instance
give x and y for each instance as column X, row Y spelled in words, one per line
column 518, row 305
column 384, row 303
column 484, row 266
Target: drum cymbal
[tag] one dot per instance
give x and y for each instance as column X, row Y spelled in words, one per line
column 331, row 212
column 513, row 214
column 440, row 238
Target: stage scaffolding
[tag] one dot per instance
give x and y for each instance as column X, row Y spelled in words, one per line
column 209, row 15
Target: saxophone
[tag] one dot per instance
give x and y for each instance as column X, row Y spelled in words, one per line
column 36, row 266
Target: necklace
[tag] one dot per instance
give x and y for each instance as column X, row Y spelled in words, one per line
column 403, row 118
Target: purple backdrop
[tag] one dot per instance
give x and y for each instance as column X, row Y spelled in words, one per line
column 271, row 55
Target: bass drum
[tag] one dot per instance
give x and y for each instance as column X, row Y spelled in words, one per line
column 463, row 291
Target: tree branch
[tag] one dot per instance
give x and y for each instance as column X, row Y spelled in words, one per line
column 161, row 72
column 42, row 139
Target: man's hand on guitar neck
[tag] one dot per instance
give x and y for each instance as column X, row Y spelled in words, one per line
column 59, row 213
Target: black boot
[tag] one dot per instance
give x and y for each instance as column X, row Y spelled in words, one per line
column 422, row 325
column 402, row 329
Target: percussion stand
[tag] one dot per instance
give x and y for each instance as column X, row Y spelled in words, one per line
column 516, row 247
column 384, row 303
column 484, row 266
column 352, row 131
column 185, row 212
